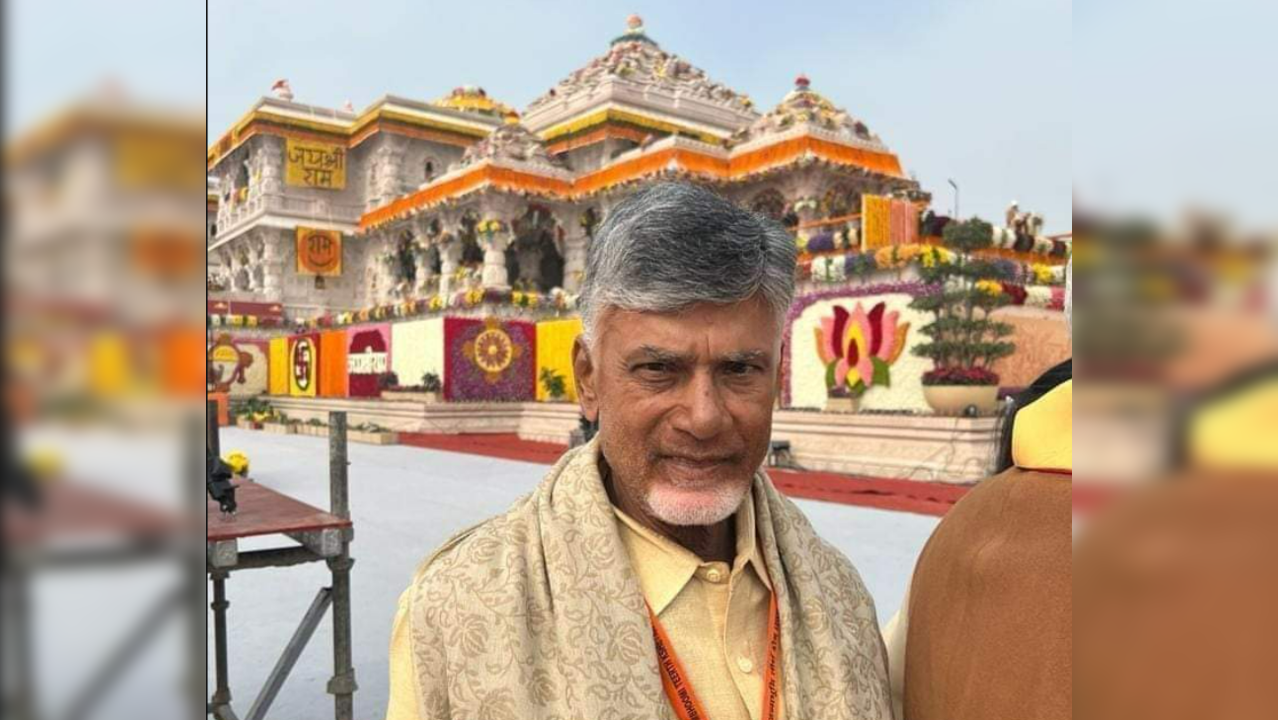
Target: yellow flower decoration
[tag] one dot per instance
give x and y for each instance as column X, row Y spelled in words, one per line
column 990, row 287
column 1042, row 273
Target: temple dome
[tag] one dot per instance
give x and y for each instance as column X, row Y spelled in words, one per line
column 636, row 58
column 805, row 106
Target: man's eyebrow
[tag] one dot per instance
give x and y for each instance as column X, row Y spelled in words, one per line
column 653, row 353
column 745, row 356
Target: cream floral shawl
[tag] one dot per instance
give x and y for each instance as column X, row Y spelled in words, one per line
column 536, row 614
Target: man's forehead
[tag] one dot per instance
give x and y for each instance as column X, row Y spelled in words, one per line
column 727, row 329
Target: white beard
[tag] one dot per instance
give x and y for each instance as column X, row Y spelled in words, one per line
column 710, row 506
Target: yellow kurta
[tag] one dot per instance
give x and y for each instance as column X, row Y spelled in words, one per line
column 716, row 615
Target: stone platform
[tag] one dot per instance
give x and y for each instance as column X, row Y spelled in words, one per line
column 907, row 447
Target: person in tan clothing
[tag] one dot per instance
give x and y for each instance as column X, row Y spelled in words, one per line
column 984, row 633
column 656, row 572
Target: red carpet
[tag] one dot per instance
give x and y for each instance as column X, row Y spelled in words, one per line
column 924, row 498
column 504, row 446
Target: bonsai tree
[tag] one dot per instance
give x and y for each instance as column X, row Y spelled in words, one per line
column 387, row 381
column 553, row 383
column 963, row 341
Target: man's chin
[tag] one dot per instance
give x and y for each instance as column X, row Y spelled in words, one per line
column 695, row 506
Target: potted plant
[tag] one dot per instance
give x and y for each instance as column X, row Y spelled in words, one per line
column 314, row 426
column 252, row 413
column 279, row 424
column 372, row 434
column 963, row 341
column 432, row 386
column 427, row 391
column 553, row 383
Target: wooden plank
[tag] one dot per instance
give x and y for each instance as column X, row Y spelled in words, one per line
column 70, row 510
column 263, row 511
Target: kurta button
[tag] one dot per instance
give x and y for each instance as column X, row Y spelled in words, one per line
column 745, row 665
column 714, row 575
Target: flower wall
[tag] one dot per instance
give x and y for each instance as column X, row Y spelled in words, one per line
column 332, row 378
column 238, row 366
column 806, row 371
column 1042, row 340
column 490, row 360
column 303, row 365
column 555, row 339
column 277, row 377
column 419, row 349
column 368, row 355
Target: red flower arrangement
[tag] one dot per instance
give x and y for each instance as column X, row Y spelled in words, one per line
column 960, row 376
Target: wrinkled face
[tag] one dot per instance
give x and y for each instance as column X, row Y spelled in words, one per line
column 684, row 403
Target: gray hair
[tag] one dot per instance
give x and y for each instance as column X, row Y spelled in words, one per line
column 674, row 245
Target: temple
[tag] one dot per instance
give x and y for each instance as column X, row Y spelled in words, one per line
column 428, row 199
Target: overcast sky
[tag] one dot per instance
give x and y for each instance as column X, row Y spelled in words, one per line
column 1135, row 105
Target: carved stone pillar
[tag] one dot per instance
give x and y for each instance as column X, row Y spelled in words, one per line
column 575, row 244
column 494, row 245
column 449, row 255
column 277, row 252
column 269, row 162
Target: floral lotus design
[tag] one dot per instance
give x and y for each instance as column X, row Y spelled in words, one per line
column 859, row 347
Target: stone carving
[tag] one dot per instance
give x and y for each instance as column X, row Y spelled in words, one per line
column 1023, row 223
column 510, row 142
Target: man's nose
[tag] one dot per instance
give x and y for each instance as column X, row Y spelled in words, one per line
column 704, row 416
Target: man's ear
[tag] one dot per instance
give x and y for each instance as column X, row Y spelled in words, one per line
column 585, row 378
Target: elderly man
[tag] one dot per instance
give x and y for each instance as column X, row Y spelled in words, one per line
column 655, row 572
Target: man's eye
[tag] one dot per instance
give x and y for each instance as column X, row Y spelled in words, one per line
column 741, row 368
column 654, row 367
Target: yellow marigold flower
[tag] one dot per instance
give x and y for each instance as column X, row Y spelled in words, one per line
column 990, row 287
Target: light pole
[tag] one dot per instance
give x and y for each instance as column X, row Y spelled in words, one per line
column 956, row 197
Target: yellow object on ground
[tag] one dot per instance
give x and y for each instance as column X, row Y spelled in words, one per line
column 45, row 464
column 238, row 462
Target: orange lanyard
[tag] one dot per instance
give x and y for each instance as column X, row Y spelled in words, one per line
column 675, row 679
